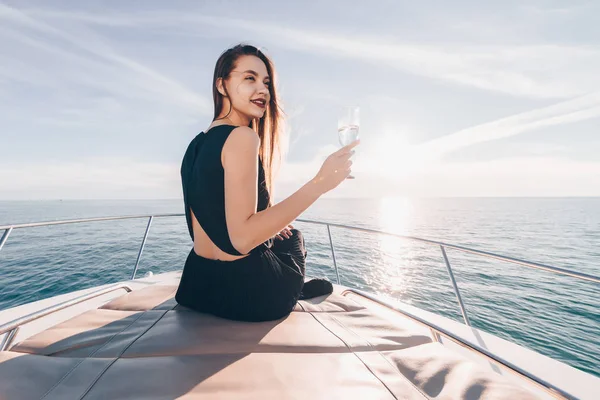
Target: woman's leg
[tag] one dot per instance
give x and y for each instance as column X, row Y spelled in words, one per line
column 294, row 246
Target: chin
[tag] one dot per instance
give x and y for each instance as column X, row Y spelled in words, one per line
column 256, row 114
column 251, row 113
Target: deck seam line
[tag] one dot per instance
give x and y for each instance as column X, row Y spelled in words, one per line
column 85, row 393
column 85, row 358
column 355, row 355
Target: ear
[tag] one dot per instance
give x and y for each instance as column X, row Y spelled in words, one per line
column 220, row 87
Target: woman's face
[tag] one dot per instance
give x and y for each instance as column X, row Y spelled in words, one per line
column 249, row 88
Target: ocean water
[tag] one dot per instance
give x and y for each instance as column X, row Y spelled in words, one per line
column 555, row 315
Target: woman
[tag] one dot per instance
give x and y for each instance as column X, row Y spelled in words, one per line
column 247, row 262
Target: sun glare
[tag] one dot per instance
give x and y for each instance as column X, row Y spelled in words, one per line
column 395, row 157
column 395, row 214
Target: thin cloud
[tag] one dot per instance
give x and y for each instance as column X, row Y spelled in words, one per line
column 97, row 55
column 109, row 178
column 94, row 178
column 140, row 92
column 517, row 176
column 530, row 70
column 424, row 164
column 578, row 109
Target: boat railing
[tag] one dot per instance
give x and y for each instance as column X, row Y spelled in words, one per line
column 442, row 245
column 10, row 329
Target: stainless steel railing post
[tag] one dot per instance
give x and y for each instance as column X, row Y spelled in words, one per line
column 333, row 255
column 137, row 262
column 8, row 339
column 5, row 236
column 455, row 286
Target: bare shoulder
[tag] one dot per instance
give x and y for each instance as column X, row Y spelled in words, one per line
column 242, row 138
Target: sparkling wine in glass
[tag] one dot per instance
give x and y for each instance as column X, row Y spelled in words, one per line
column 348, row 123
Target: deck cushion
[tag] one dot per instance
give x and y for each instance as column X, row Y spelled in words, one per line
column 441, row 373
column 364, row 331
column 334, row 302
column 95, row 333
column 157, row 297
column 32, row 377
column 141, row 346
column 179, row 333
column 162, row 297
column 237, row 376
column 112, row 333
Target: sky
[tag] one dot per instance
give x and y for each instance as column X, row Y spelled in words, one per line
column 99, row 99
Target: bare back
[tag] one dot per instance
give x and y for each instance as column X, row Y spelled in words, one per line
column 240, row 193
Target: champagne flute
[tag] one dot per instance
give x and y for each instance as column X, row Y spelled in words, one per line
column 348, row 122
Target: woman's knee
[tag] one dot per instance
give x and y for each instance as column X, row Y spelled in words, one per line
column 300, row 238
column 295, row 232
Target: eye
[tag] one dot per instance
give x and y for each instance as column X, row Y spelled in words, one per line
column 250, row 77
column 268, row 84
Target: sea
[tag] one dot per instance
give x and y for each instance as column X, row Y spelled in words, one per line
column 555, row 315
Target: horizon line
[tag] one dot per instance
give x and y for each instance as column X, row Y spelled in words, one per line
column 324, row 198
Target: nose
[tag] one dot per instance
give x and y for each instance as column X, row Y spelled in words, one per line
column 263, row 89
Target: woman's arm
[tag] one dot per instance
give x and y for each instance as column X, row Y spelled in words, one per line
column 248, row 228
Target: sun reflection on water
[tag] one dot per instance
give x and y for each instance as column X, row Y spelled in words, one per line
column 396, row 215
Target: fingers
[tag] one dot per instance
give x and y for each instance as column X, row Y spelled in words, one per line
column 348, row 154
column 281, row 235
column 345, row 167
column 286, row 233
column 348, row 148
column 352, row 145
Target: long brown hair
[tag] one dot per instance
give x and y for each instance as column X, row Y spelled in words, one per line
column 269, row 126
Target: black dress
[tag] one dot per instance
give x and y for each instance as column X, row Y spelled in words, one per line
column 264, row 285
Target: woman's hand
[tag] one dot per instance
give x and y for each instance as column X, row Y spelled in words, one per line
column 335, row 168
column 286, row 233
